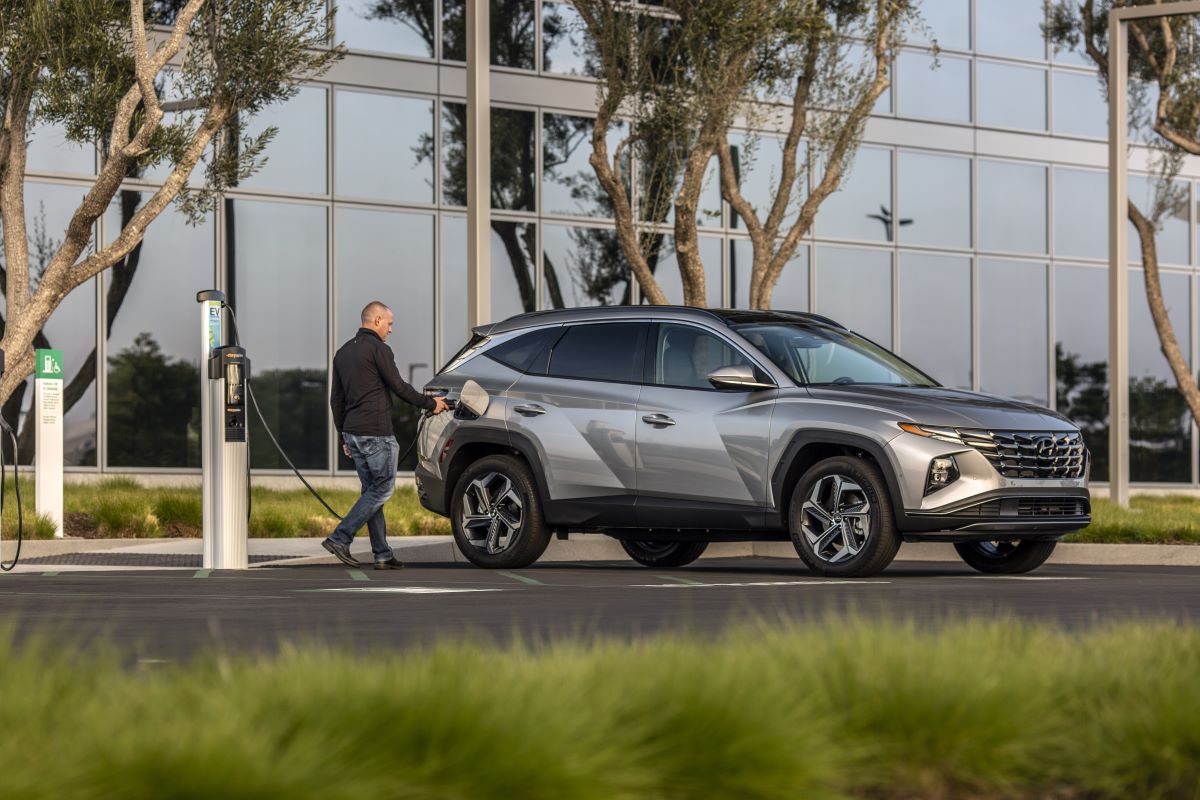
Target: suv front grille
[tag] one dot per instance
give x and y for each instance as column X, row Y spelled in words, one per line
column 1030, row 454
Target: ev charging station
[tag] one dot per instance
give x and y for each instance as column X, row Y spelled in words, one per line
column 224, row 439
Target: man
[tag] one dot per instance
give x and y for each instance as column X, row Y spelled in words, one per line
column 364, row 378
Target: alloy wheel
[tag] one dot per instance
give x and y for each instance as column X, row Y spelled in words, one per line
column 492, row 512
column 836, row 518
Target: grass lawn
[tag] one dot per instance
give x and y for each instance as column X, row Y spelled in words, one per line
column 121, row 508
column 886, row 710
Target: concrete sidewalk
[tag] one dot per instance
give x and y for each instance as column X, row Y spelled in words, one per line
column 94, row 554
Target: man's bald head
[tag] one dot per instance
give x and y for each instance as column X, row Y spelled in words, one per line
column 377, row 317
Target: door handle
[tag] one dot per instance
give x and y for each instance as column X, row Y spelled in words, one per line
column 530, row 410
column 658, row 420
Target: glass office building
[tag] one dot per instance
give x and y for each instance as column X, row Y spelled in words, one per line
column 970, row 236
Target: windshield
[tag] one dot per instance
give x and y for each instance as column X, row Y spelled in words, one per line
column 819, row 355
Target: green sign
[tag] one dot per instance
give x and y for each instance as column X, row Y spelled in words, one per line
column 49, row 364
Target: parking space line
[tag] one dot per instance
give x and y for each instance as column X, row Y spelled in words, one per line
column 401, row 590
column 521, row 578
column 1024, row 577
column 202, row 573
column 694, row 585
column 677, row 579
column 358, row 574
column 49, row 574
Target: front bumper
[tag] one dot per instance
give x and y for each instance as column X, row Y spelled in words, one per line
column 1010, row 513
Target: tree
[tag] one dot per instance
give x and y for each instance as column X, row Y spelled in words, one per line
column 1162, row 57
column 99, row 69
column 685, row 74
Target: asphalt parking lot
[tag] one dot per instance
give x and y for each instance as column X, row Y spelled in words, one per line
column 172, row 614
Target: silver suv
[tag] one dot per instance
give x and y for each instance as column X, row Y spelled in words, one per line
column 668, row 428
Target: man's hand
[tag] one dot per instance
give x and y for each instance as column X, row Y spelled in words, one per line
column 441, row 405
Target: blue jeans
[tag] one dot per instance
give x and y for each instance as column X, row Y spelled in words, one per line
column 375, row 460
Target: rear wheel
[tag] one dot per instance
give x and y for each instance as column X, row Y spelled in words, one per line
column 841, row 520
column 496, row 514
column 664, row 554
column 1005, row 557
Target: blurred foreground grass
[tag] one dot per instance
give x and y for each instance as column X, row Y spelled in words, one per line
column 843, row 709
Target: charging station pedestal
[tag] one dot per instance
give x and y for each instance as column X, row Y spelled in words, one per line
column 223, row 442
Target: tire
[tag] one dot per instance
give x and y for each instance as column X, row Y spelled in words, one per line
column 496, row 514
column 652, row 553
column 840, row 519
column 1005, row 557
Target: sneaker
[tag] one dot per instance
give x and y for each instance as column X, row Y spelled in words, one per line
column 340, row 552
column 391, row 563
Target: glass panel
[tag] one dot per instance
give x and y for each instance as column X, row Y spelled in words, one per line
column 1010, row 96
column 935, row 316
column 1010, row 28
column 684, row 355
column 71, row 328
column 1174, row 246
column 935, row 199
column 512, row 157
column 1159, row 423
column 295, row 158
column 708, row 210
column 1012, row 329
column 565, row 48
column 861, row 207
column 791, row 290
column 1079, row 105
column 513, row 248
column 513, row 30
column 948, row 23
column 666, row 270
column 854, row 287
column 758, row 164
column 384, row 147
column 569, row 184
column 529, row 352
column 584, row 267
column 603, row 352
column 933, row 90
column 51, row 151
column 1012, row 207
column 276, row 256
column 154, row 359
column 402, row 28
column 388, row 256
column 1081, row 356
column 1080, row 213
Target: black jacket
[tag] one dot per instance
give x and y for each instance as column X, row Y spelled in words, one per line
column 364, row 377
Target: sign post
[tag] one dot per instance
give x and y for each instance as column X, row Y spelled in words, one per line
column 48, row 448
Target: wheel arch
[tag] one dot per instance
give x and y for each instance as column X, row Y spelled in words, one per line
column 808, row 448
column 474, row 444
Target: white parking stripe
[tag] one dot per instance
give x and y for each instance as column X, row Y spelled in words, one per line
column 403, row 590
column 755, row 583
column 1024, row 578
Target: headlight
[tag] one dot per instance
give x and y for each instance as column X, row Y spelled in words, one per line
column 932, row 432
column 943, row 471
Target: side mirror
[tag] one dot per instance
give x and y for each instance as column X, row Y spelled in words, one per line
column 739, row 377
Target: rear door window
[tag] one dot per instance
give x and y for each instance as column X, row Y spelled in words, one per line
column 610, row 351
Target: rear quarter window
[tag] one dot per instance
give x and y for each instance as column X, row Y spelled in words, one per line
column 528, row 352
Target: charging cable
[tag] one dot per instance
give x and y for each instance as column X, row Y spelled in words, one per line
column 10, row 566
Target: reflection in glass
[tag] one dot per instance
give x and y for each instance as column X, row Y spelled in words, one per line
column 1012, row 206
column 514, row 246
column 791, row 290
column 1012, row 329
column 512, row 157
column 583, row 267
column 665, row 267
column 388, row 256
column 1081, row 356
column 569, row 184
column 1171, row 240
column 948, row 23
column 935, row 316
column 513, row 25
column 1079, row 105
column 1159, row 423
column 295, row 158
column 154, row 361
column 861, row 207
column 854, row 287
column 387, row 26
column 933, row 90
column 566, row 50
column 1080, row 213
column 935, row 199
column 276, row 257
column 757, row 163
column 50, row 151
column 1011, row 96
column 1010, row 28
column 384, row 147
column 71, row 328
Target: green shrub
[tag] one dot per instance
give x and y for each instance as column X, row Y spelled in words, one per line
column 179, row 507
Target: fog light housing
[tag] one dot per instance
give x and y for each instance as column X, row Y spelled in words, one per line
column 943, row 471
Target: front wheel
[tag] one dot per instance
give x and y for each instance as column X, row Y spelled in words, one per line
column 496, row 514
column 1005, row 557
column 664, row 554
